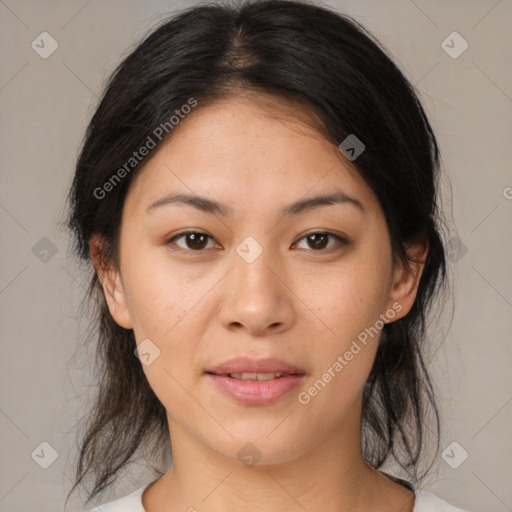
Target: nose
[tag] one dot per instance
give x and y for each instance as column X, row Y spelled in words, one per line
column 256, row 297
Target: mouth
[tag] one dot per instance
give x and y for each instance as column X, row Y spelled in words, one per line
column 255, row 376
column 256, row 382
column 246, row 368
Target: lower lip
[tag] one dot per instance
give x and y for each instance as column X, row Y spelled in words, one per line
column 257, row 392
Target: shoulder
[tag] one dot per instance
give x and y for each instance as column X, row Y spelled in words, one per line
column 428, row 502
column 129, row 503
column 425, row 502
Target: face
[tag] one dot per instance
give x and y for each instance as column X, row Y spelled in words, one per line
column 253, row 277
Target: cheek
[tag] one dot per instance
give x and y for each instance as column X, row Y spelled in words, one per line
column 354, row 298
column 343, row 360
column 165, row 305
column 162, row 305
column 156, row 306
column 350, row 305
column 158, row 294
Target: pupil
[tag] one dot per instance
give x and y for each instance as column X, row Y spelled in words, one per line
column 312, row 238
column 195, row 237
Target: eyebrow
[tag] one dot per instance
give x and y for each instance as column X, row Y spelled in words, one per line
column 208, row 205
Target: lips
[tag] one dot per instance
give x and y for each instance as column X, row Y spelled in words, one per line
column 256, row 376
column 247, row 365
column 256, row 382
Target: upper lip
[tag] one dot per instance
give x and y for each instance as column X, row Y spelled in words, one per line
column 250, row 365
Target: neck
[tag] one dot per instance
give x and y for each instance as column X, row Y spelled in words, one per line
column 319, row 480
column 332, row 476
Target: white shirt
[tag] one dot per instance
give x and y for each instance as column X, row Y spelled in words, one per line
column 425, row 502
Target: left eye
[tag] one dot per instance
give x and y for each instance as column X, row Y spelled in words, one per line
column 197, row 241
column 319, row 239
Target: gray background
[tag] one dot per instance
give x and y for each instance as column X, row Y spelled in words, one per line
column 45, row 106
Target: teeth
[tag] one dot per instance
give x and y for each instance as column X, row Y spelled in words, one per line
column 255, row 376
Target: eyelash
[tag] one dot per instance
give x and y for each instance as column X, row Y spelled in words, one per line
column 342, row 241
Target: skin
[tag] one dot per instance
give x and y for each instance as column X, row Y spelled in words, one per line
column 296, row 301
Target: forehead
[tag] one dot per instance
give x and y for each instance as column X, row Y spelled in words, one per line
column 236, row 148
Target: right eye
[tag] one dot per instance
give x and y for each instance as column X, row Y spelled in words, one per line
column 195, row 241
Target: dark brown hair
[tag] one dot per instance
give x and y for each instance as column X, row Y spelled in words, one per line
column 328, row 63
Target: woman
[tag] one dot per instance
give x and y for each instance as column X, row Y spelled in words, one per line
column 257, row 192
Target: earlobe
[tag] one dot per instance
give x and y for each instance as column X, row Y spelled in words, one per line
column 406, row 278
column 116, row 298
column 113, row 289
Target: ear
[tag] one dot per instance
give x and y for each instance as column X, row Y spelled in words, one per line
column 406, row 277
column 110, row 279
